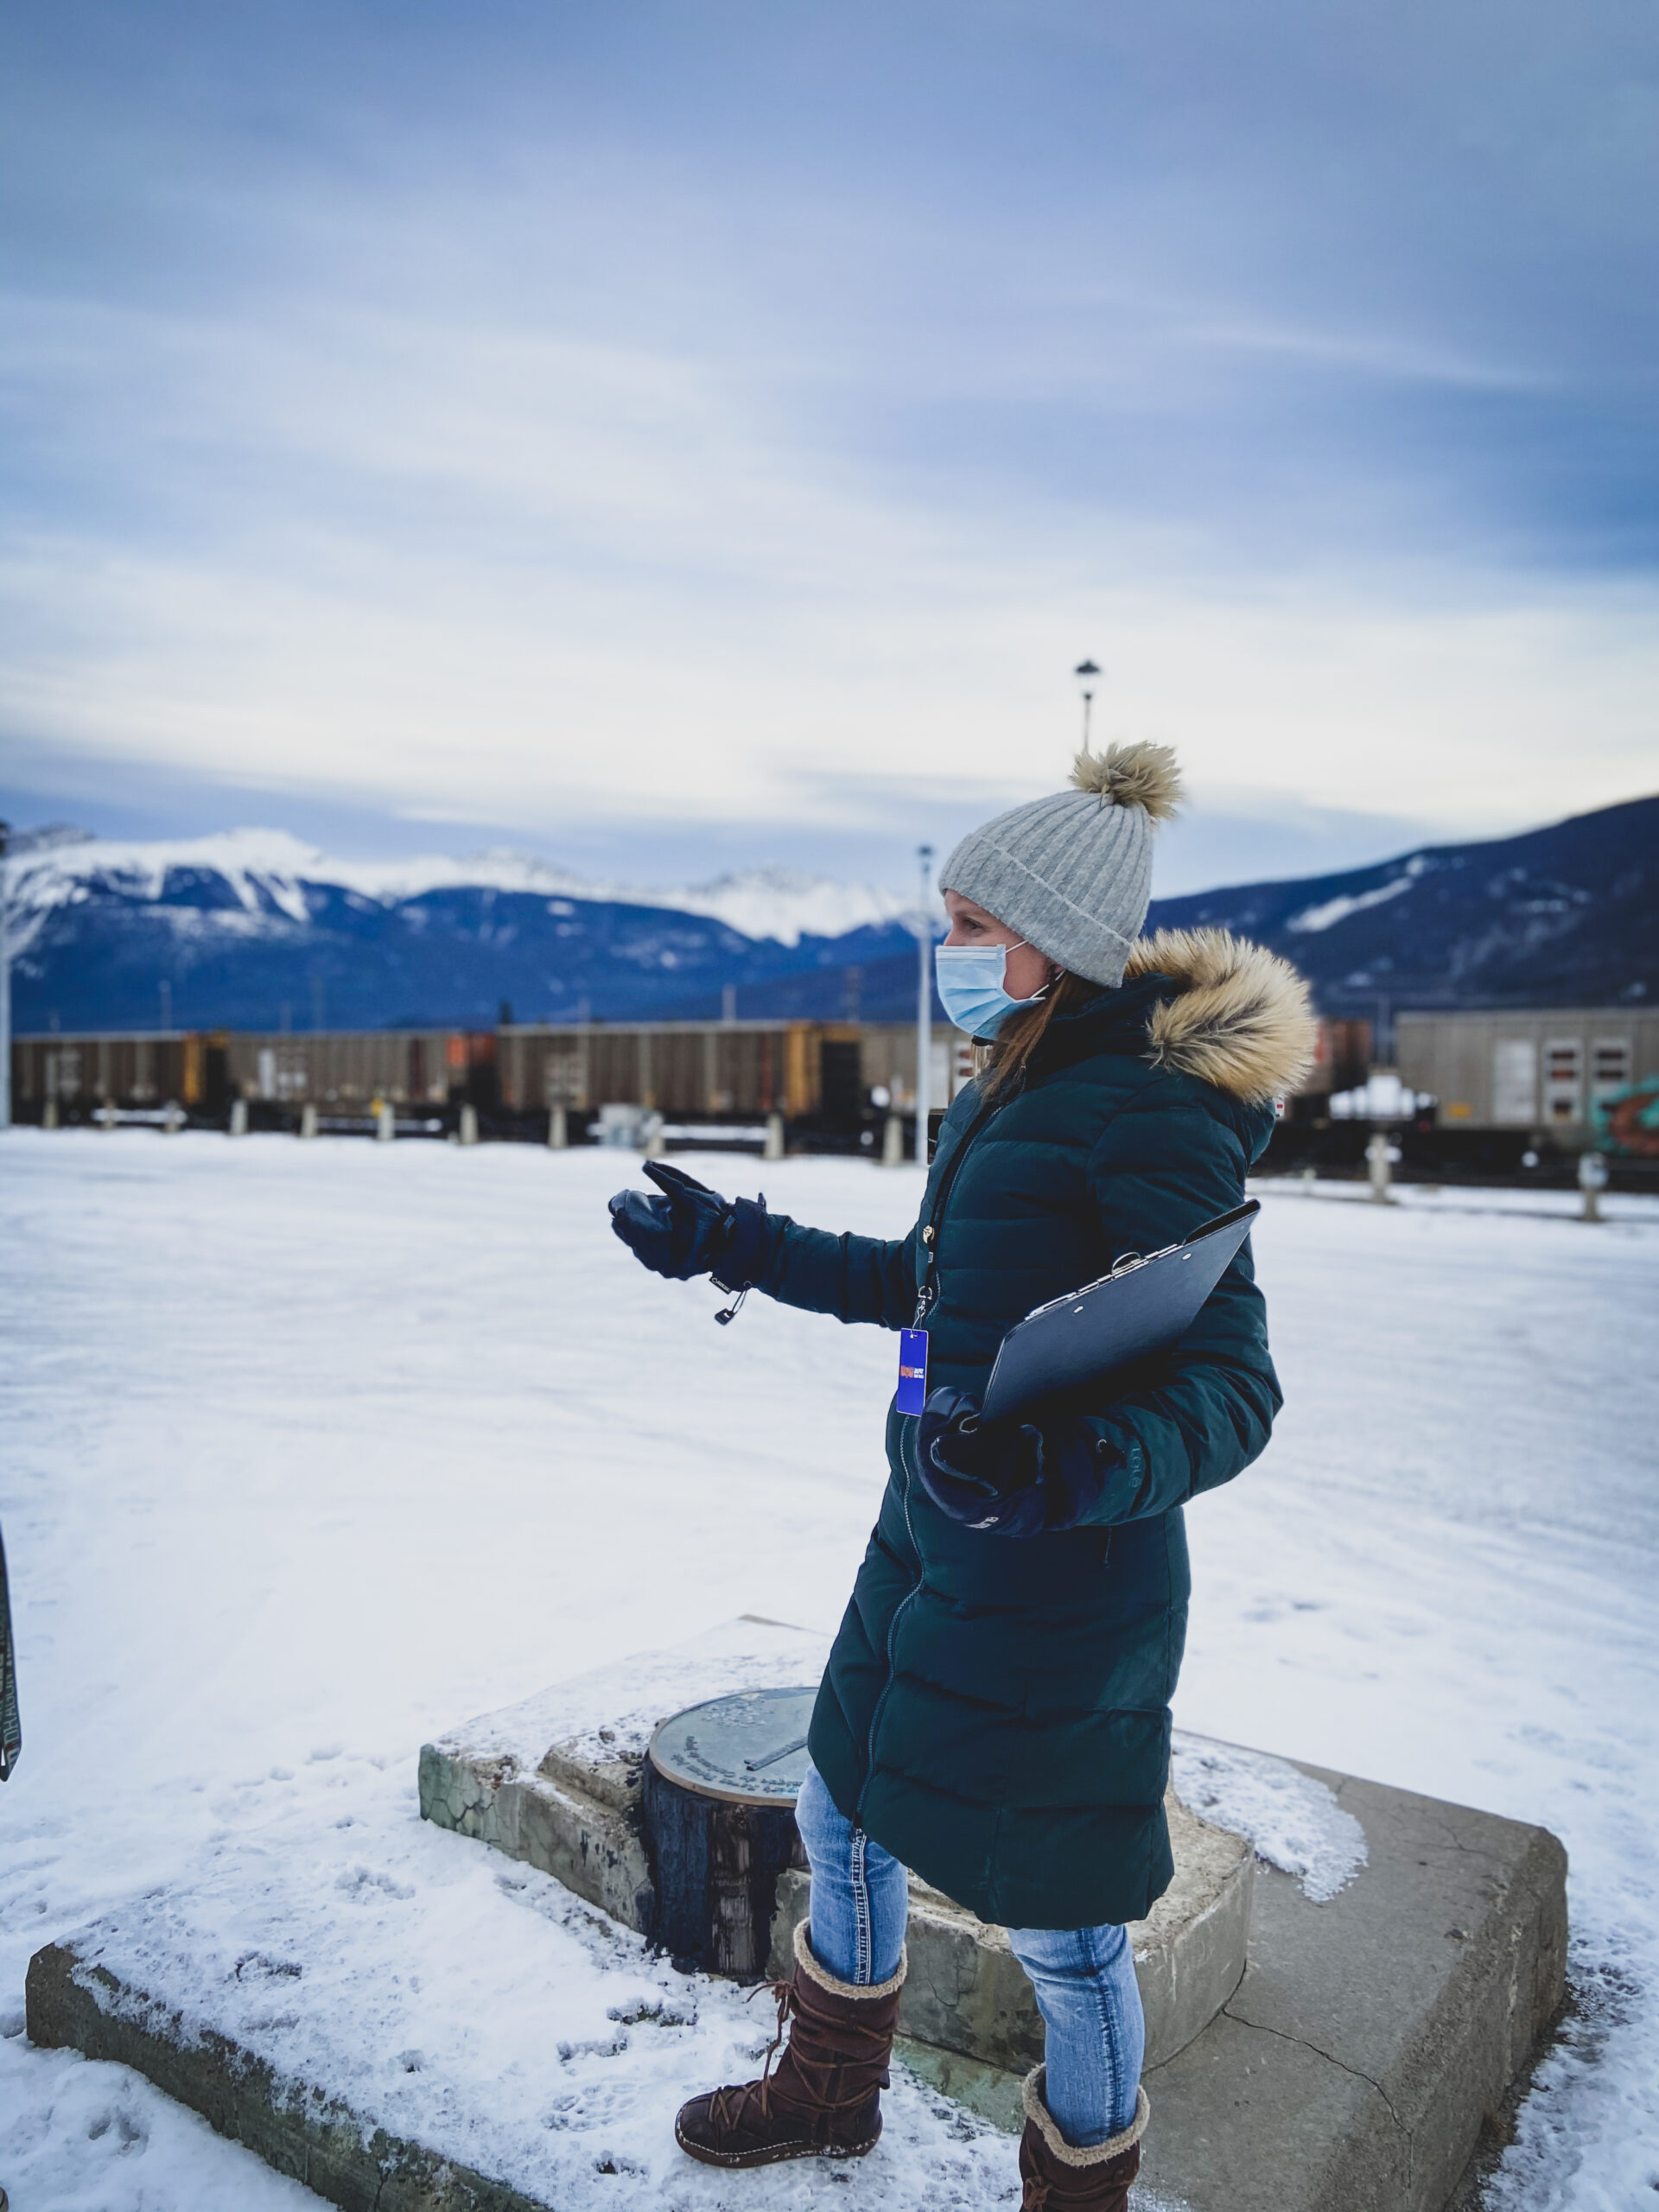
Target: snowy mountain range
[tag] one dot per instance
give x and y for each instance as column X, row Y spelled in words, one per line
column 1563, row 916
column 269, row 871
column 253, row 929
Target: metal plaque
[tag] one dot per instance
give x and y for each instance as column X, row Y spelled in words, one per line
column 746, row 1749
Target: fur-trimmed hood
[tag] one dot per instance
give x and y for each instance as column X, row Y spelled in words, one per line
column 1241, row 1018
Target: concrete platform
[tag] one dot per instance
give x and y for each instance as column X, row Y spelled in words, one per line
column 553, row 1783
column 1349, row 2070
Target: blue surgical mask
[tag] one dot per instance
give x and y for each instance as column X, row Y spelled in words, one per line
column 972, row 986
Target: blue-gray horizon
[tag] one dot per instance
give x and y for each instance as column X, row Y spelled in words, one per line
column 724, row 428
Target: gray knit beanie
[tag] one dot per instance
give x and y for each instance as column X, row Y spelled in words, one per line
column 1073, row 872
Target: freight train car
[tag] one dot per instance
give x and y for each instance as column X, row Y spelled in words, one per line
column 69, row 1078
column 348, row 1068
column 75, row 1077
column 810, row 1073
column 1569, row 1077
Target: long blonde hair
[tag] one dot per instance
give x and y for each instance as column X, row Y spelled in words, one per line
column 1000, row 1066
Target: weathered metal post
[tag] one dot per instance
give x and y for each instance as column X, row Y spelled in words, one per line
column 718, row 1807
column 1379, row 1168
column 1592, row 1181
column 558, row 1129
column 774, row 1148
column 924, row 1002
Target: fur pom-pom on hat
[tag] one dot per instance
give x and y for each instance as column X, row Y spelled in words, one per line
column 1142, row 774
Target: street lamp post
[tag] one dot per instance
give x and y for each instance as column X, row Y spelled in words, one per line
column 924, row 1002
column 1088, row 676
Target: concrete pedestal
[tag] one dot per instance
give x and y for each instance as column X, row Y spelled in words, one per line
column 571, row 1808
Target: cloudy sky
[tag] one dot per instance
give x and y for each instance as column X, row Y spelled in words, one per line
column 668, row 436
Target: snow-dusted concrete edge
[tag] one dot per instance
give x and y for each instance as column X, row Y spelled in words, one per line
column 293, row 2127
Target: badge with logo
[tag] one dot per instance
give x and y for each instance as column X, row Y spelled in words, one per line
column 912, row 1370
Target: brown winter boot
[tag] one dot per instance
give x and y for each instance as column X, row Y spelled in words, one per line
column 1060, row 2177
column 824, row 2098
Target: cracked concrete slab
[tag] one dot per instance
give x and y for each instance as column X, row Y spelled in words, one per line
column 1352, row 2067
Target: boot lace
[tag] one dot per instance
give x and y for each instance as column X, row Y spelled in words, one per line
column 728, row 2105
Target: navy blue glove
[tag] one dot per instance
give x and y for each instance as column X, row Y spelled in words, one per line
column 691, row 1230
column 1008, row 1478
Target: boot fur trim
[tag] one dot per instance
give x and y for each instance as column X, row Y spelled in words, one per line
column 825, row 1979
column 1073, row 2154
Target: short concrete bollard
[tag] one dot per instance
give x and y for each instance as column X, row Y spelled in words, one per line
column 1379, row 1168
column 653, row 1145
column 238, row 1117
column 558, row 1129
column 774, row 1148
column 892, row 1141
column 385, row 1122
column 106, row 1117
column 307, row 1120
column 49, row 1115
column 469, row 1132
column 173, row 1118
column 1592, row 1181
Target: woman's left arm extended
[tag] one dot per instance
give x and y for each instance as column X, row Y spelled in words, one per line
column 1162, row 1169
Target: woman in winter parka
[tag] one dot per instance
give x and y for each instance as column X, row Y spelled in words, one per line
column 995, row 1710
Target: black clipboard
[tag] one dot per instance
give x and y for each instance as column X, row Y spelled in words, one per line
column 1144, row 1304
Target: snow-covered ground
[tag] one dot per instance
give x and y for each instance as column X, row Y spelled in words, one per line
column 313, row 1450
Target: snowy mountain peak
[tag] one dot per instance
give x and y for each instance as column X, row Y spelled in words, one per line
column 270, row 869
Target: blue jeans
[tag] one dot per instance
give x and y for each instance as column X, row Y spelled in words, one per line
column 1084, row 1977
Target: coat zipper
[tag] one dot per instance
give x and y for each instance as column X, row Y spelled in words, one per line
column 927, row 1299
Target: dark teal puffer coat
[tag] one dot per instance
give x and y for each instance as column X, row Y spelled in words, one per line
column 995, row 1710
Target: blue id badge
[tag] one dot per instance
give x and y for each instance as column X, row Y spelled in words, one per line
column 912, row 1370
